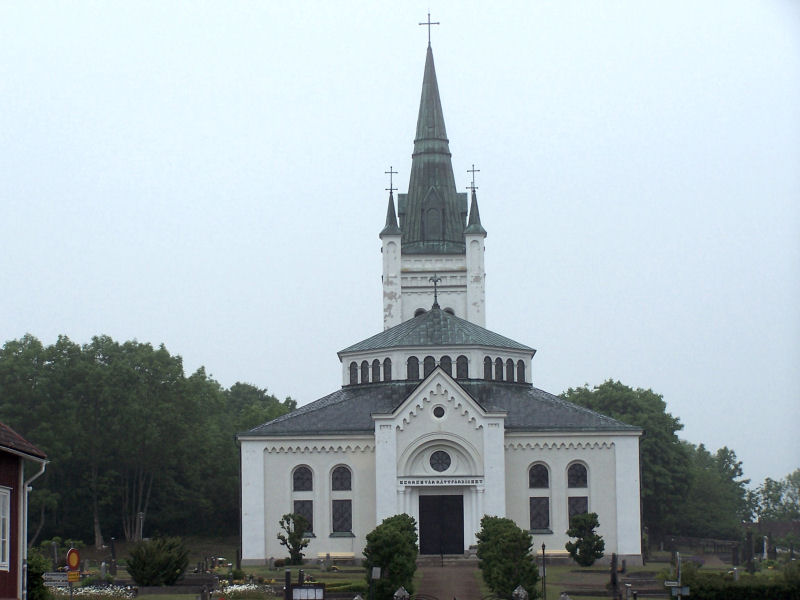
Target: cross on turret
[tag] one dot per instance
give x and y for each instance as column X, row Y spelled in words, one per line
column 473, row 170
column 390, row 172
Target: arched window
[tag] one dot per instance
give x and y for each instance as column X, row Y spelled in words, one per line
column 387, row 369
column 341, row 479
column 413, row 369
column 498, row 369
column 509, row 370
column 521, row 371
column 462, row 367
column 302, row 499
column 539, row 500
column 376, row 371
column 447, row 365
column 577, row 476
column 538, row 477
column 353, row 373
column 487, row 369
column 429, row 365
column 364, row 372
column 419, row 311
column 302, row 480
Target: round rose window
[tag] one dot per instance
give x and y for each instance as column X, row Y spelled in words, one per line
column 440, row 461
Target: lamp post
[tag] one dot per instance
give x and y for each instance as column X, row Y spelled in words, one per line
column 544, row 573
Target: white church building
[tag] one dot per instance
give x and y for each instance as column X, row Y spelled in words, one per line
column 437, row 416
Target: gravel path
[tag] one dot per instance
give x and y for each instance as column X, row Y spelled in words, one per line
column 450, row 582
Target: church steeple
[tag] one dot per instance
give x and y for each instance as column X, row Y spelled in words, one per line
column 432, row 214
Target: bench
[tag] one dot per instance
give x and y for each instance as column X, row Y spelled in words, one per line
column 334, row 557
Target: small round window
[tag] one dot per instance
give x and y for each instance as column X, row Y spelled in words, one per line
column 440, row 461
column 438, row 412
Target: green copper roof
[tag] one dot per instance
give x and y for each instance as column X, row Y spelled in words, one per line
column 391, row 227
column 432, row 214
column 436, row 328
column 474, row 225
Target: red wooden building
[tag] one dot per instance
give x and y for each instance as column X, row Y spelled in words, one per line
column 20, row 463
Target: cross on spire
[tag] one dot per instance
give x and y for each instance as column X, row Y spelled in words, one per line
column 390, row 172
column 429, row 23
column 435, row 279
column 473, row 170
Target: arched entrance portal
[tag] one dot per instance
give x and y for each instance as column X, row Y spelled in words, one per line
column 441, row 524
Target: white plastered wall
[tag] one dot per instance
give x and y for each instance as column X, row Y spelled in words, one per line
column 612, row 462
column 267, row 494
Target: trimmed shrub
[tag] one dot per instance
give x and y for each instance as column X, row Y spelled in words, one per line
column 588, row 546
column 158, row 562
column 392, row 546
column 504, row 557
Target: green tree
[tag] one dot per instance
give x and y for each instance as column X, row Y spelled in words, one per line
column 504, row 557
column 779, row 500
column 158, row 562
column 588, row 545
column 716, row 503
column 664, row 460
column 392, row 546
column 38, row 565
column 294, row 526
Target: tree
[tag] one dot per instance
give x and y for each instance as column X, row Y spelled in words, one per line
column 716, row 503
column 664, row 460
column 392, row 546
column 294, row 526
column 588, row 546
column 504, row 557
column 779, row 500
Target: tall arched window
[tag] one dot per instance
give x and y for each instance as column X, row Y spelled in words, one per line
column 302, row 496
column 462, row 367
column 521, row 371
column 578, row 480
column 447, row 365
column 376, row 371
column 413, row 369
column 387, row 369
column 498, row 369
column 353, row 373
column 539, row 500
column 487, row 369
column 341, row 501
column 509, row 370
column 364, row 372
column 429, row 365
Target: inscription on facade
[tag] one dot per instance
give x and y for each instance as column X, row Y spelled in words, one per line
column 441, row 481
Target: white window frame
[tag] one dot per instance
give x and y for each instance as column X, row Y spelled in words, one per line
column 5, row 529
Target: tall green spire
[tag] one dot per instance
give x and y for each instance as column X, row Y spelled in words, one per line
column 432, row 214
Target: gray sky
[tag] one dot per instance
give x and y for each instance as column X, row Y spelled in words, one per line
column 210, row 175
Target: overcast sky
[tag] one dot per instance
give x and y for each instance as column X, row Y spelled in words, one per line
column 210, row 175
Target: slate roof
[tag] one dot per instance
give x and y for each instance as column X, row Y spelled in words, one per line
column 349, row 410
column 11, row 440
column 436, row 328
